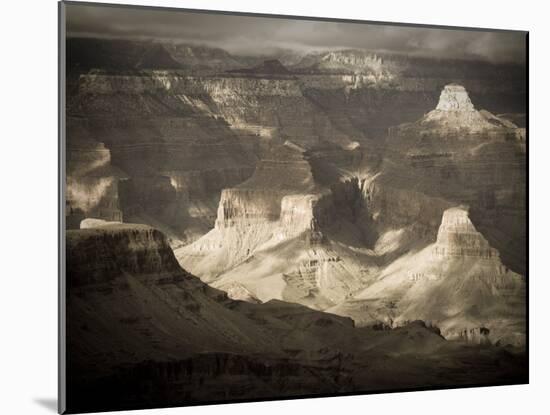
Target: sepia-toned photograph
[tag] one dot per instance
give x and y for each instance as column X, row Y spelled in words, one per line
column 261, row 207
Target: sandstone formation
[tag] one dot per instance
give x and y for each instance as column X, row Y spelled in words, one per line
column 456, row 117
column 457, row 237
column 132, row 101
column 250, row 215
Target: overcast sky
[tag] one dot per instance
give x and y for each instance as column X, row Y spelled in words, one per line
column 260, row 35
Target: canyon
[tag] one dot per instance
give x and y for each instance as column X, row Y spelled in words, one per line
column 134, row 314
column 251, row 227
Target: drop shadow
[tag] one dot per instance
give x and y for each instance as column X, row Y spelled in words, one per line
column 48, row 403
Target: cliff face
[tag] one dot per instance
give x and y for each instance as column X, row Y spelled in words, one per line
column 100, row 255
column 277, row 234
column 139, row 327
column 283, row 171
column 457, row 237
column 281, row 200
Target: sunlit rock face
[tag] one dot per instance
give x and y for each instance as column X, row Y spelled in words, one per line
column 454, row 98
column 275, row 108
column 90, row 223
column 188, row 121
column 456, row 118
column 457, row 237
column 274, row 233
column 280, row 200
column 283, row 171
column 458, row 283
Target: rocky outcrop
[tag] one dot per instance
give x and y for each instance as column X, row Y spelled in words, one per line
column 456, row 118
column 458, row 283
column 306, row 213
column 344, row 61
column 479, row 335
column 282, row 172
column 275, row 236
column 457, row 237
column 89, row 223
column 102, row 254
column 280, row 201
column 454, row 98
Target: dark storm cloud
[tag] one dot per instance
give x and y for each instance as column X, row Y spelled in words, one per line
column 260, row 35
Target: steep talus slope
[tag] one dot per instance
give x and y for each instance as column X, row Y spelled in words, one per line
column 273, row 234
column 248, row 215
column 458, row 283
column 141, row 329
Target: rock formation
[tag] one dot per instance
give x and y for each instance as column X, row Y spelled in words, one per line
column 457, row 237
column 455, row 98
column 447, row 158
column 458, row 283
column 135, row 318
column 276, row 233
column 278, row 201
column 455, row 117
